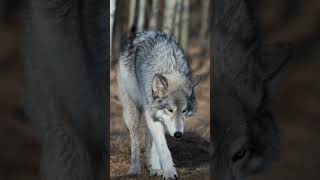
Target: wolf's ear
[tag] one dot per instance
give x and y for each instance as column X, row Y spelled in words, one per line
column 159, row 85
column 273, row 58
column 195, row 80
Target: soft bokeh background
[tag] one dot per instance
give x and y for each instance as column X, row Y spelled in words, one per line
column 297, row 98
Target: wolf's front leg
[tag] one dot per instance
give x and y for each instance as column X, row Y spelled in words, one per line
column 161, row 148
column 155, row 165
column 151, row 154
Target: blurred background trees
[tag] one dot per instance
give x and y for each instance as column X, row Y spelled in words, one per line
column 176, row 17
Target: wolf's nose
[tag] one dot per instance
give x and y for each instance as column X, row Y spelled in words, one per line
column 178, row 134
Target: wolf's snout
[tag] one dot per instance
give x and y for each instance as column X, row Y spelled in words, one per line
column 178, row 134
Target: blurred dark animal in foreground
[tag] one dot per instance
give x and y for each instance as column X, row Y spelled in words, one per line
column 245, row 136
column 65, row 80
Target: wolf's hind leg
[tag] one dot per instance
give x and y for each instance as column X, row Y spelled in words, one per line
column 131, row 115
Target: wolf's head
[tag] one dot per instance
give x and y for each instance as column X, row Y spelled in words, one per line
column 245, row 135
column 174, row 101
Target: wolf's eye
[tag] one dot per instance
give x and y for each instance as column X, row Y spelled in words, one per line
column 186, row 109
column 240, row 155
column 169, row 109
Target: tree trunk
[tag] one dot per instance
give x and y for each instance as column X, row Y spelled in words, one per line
column 169, row 16
column 185, row 25
column 141, row 15
column 204, row 20
column 134, row 6
column 177, row 19
column 154, row 14
column 112, row 16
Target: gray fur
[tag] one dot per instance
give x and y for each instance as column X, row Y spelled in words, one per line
column 244, row 133
column 154, row 77
column 65, row 54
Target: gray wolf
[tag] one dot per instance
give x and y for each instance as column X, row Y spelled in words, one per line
column 65, row 70
column 245, row 136
column 154, row 77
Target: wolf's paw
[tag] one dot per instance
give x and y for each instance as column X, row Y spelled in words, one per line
column 134, row 171
column 170, row 173
column 155, row 172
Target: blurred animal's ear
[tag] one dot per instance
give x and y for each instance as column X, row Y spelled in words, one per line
column 195, row 80
column 273, row 58
column 159, row 86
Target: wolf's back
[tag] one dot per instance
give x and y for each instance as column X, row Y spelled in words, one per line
column 145, row 40
column 154, row 52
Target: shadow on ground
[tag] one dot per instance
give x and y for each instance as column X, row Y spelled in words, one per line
column 190, row 155
column 189, row 152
